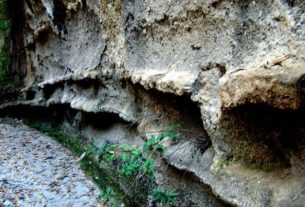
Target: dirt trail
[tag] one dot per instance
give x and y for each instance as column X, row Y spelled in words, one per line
column 37, row 171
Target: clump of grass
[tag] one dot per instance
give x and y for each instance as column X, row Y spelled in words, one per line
column 164, row 196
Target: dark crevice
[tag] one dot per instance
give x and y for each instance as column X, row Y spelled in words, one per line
column 31, row 46
column 86, row 83
column 9, row 97
column 58, row 113
column 53, row 113
column 49, row 89
column 60, row 16
column 212, row 65
column 16, row 12
column 30, row 95
column 164, row 21
column 301, row 91
column 84, row 3
column 265, row 136
column 289, row 3
column 216, row 3
column 43, row 35
column 101, row 120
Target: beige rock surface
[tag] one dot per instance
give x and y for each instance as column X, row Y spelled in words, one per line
column 209, row 64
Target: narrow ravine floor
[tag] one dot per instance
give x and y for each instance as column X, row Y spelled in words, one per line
column 35, row 170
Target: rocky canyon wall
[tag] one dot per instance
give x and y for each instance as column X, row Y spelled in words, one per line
column 232, row 72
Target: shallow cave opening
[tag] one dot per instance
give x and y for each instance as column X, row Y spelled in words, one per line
column 61, row 112
column 179, row 110
column 49, row 90
column 30, row 95
column 87, row 83
column 266, row 136
column 101, row 120
column 43, row 35
column 52, row 114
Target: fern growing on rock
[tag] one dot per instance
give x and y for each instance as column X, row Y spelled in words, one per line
column 132, row 160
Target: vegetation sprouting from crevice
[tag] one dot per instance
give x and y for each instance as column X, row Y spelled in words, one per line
column 136, row 163
column 131, row 159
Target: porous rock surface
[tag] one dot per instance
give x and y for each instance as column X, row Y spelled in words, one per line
column 37, row 171
column 233, row 71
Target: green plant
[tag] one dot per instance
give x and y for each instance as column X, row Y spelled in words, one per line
column 108, row 194
column 109, row 198
column 129, row 158
column 163, row 196
column 132, row 159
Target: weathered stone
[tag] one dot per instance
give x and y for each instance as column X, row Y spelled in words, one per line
column 279, row 86
column 242, row 63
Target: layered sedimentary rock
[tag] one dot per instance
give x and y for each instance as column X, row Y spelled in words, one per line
column 232, row 71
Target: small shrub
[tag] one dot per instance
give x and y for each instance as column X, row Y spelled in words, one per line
column 108, row 194
column 163, row 196
column 131, row 160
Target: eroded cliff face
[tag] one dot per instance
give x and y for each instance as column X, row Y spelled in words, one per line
column 233, row 72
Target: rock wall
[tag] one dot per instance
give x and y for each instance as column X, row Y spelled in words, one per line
column 5, row 44
column 232, row 71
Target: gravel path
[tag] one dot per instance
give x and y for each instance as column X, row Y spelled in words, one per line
column 37, row 171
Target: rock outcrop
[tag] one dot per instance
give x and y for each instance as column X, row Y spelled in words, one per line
column 232, row 71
